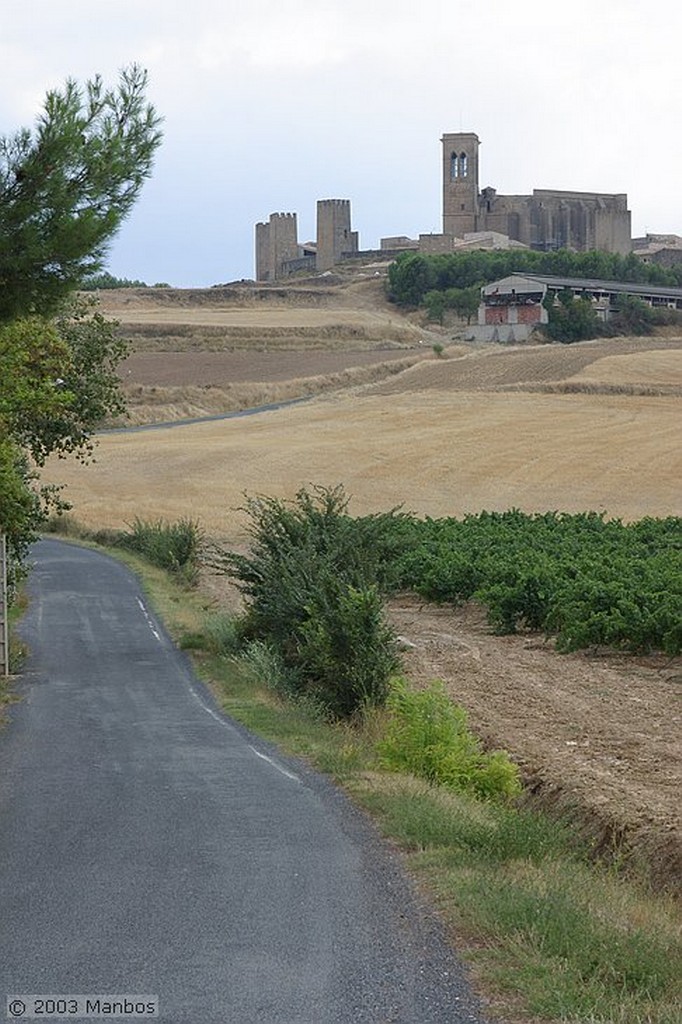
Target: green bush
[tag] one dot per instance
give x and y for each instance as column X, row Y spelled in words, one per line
column 346, row 651
column 428, row 736
column 312, row 582
column 572, row 319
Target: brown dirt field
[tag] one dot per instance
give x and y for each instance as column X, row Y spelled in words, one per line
column 486, row 427
column 218, row 369
column 152, row 404
column 601, row 733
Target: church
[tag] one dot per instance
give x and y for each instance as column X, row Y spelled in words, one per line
column 548, row 219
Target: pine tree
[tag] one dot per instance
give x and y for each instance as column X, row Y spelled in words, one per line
column 66, row 186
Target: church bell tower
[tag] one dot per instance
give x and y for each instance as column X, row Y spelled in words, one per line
column 460, row 183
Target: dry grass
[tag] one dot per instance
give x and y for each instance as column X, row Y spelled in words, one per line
column 661, row 367
column 437, row 452
column 156, row 337
column 491, row 366
column 285, row 318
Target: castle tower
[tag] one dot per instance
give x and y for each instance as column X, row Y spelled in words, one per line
column 334, row 235
column 276, row 243
column 460, row 183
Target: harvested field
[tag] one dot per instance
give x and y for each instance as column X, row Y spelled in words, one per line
column 590, row 426
column 657, row 367
column 152, row 404
column 354, row 317
column 436, row 452
column 494, row 366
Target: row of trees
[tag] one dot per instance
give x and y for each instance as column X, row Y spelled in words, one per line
column 453, row 282
column 108, row 281
column 414, row 275
column 65, row 188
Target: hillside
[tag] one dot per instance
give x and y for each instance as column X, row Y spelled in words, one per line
column 589, row 426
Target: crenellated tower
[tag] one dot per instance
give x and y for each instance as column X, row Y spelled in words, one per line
column 334, row 234
column 276, row 244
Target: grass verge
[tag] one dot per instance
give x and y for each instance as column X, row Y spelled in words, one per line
column 550, row 935
column 17, row 653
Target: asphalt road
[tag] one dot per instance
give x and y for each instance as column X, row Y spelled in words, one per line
column 150, row 846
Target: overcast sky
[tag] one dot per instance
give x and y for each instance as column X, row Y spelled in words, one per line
column 273, row 104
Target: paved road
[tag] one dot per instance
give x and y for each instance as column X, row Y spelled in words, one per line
column 148, row 845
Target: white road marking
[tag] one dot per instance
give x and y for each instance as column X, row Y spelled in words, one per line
column 283, row 771
column 226, row 725
column 212, row 713
column 150, row 622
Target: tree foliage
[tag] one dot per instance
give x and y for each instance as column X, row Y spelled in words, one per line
column 65, row 188
column 571, row 319
column 67, row 185
column 413, row 275
column 59, row 381
column 108, row 281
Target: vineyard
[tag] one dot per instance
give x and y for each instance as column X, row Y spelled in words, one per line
column 581, row 578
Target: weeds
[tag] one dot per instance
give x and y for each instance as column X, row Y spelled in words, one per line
column 172, row 546
column 547, row 929
column 428, row 736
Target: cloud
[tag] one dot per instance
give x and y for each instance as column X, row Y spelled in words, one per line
column 275, row 103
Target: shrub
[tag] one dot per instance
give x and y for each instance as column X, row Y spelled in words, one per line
column 428, row 736
column 346, row 652
column 572, row 319
column 312, row 583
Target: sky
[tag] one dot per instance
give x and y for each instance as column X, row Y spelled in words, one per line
column 270, row 105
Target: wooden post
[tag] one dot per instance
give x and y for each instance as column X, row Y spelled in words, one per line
column 4, row 632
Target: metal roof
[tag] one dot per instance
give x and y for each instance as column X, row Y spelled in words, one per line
column 595, row 285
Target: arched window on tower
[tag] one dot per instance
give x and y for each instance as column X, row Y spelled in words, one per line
column 454, row 167
column 463, row 165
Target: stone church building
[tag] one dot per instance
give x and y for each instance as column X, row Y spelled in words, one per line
column 547, row 219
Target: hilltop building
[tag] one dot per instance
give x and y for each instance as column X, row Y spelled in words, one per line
column 472, row 219
column 279, row 255
column 547, row 219
column 513, row 307
column 665, row 250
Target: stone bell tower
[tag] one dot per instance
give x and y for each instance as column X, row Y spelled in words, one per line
column 460, row 183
